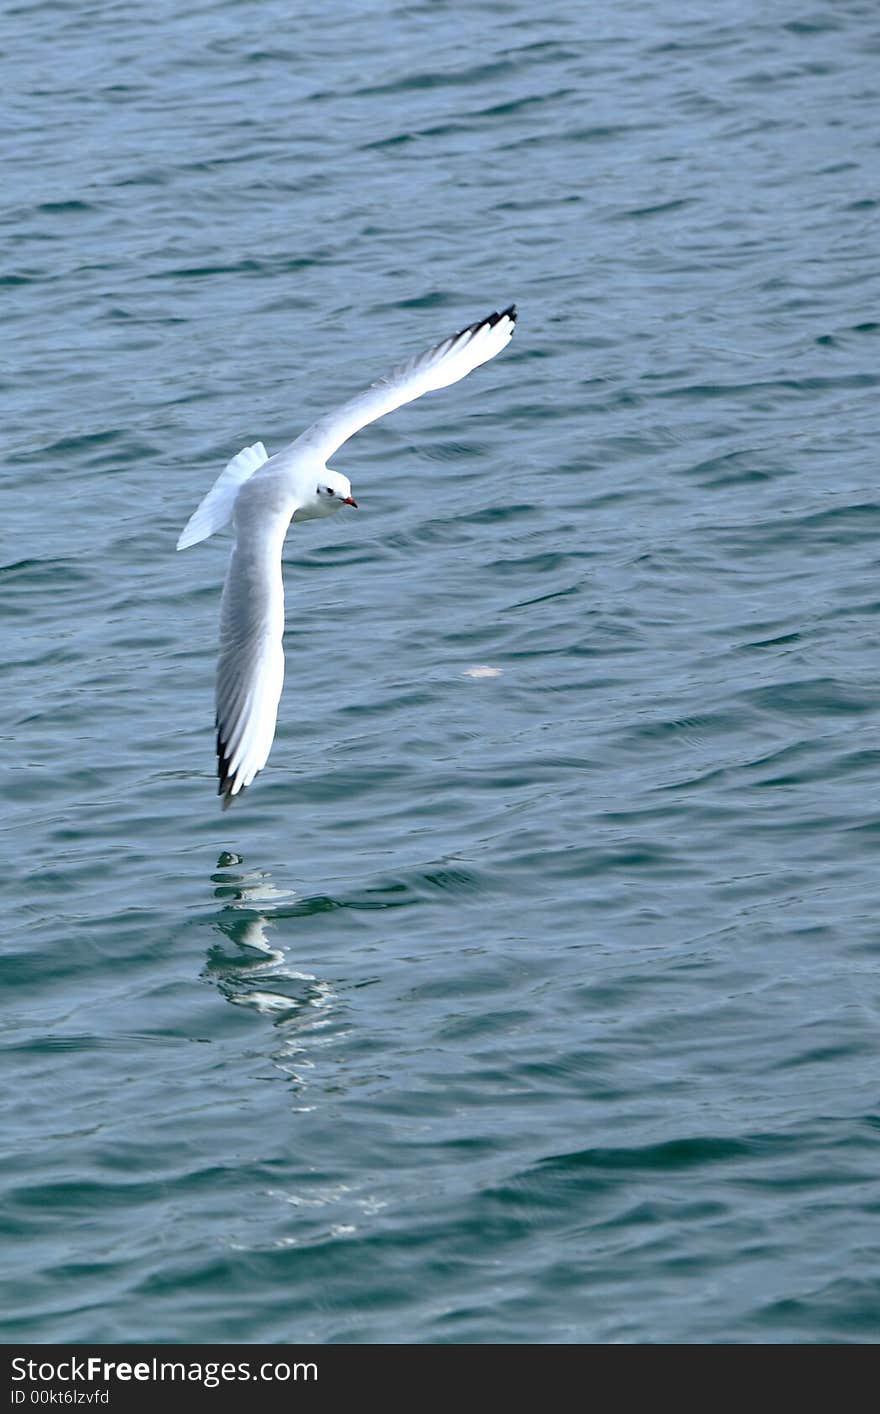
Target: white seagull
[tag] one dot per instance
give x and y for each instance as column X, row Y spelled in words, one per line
column 261, row 495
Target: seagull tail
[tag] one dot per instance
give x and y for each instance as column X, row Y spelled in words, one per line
column 216, row 508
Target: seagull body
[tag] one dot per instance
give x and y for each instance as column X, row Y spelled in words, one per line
column 261, row 495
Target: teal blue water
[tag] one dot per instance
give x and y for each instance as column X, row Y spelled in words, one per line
column 539, row 1006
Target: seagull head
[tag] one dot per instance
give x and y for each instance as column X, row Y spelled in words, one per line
column 332, row 491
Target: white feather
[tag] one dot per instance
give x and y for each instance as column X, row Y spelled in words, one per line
column 438, row 367
column 216, row 509
column 250, row 669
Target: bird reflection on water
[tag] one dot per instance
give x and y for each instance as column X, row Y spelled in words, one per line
column 255, row 974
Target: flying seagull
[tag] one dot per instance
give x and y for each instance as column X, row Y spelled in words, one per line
column 261, row 495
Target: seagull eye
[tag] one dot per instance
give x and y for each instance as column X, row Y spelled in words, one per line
column 330, row 491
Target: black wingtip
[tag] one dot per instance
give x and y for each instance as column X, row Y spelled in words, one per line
column 225, row 780
column 508, row 313
column 488, row 323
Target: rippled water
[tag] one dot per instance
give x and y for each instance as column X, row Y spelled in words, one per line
column 533, row 1006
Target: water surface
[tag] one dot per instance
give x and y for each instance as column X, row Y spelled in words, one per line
column 538, row 1006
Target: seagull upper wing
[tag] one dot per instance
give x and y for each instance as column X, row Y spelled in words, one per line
column 437, row 367
column 250, row 669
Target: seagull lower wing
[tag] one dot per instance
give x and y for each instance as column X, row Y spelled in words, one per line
column 250, row 670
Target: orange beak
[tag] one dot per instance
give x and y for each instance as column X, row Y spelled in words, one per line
column 349, row 501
